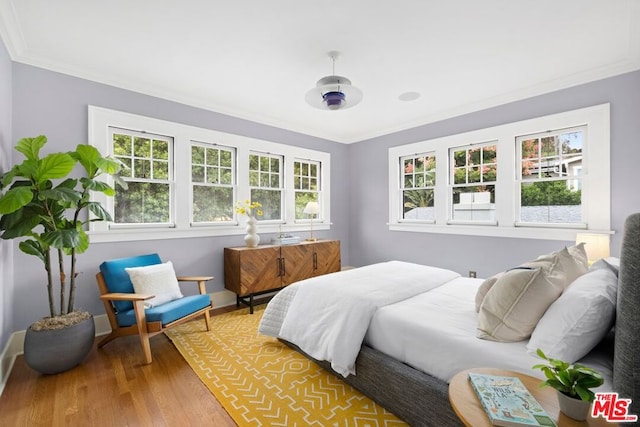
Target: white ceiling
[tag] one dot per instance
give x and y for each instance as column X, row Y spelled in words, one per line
column 256, row 59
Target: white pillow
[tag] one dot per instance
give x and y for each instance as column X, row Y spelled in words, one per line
column 564, row 273
column 562, row 268
column 577, row 321
column 611, row 263
column 516, row 302
column 580, row 254
column 157, row 279
column 484, row 288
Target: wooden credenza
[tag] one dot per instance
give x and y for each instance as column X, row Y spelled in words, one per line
column 249, row 272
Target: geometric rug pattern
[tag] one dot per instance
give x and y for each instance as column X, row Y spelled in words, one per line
column 262, row 382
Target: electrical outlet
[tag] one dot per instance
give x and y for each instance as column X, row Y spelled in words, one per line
column 472, row 273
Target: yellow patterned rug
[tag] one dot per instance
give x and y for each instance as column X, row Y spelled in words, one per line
column 262, row 382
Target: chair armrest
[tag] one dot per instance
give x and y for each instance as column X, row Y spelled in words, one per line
column 199, row 279
column 194, row 278
column 125, row 297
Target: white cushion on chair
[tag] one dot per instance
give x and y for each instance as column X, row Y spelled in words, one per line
column 159, row 280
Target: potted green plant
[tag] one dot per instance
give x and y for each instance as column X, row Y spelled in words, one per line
column 45, row 206
column 573, row 383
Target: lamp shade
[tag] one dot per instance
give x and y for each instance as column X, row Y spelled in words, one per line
column 596, row 245
column 333, row 93
column 312, row 208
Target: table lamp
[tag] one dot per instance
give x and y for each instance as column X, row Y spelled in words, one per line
column 312, row 208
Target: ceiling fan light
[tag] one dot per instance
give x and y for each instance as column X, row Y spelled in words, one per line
column 334, row 99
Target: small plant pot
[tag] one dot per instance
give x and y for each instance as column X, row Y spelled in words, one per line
column 577, row 409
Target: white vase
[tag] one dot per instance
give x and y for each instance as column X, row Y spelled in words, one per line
column 252, row 239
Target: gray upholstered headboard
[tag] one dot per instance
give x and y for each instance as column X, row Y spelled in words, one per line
column 626, row 369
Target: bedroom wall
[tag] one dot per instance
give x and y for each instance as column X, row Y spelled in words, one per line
column 54, row 104
column 6, row 264
column 371, row 240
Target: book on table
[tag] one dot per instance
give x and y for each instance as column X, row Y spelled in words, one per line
column 507, row 401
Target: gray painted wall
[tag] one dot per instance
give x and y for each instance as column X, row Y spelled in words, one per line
column 54, row 104
column 6, row 255
column 371, row 241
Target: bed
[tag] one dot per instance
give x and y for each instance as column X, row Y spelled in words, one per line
column 391, row 376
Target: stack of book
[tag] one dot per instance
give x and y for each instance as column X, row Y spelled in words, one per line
column 507, row 401
column 285, row 240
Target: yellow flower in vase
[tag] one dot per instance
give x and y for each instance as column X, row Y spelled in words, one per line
column 248, row 208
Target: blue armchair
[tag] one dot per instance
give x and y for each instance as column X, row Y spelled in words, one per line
column 126, row 309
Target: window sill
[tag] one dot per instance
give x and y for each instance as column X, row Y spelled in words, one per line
column 140, row 234
column 546, row 233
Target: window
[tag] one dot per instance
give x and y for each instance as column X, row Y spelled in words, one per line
column 306, row 184
column 265, row 179
column 518, row 182
column 549, row 174
column 474, row 171
column 212, row 183
column 417, row 186
column 147, row 171
column 183, row 181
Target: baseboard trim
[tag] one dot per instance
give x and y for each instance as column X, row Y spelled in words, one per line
column 15, row 345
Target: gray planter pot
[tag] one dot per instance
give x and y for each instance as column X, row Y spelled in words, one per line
column 55, row 351
column 573, row 408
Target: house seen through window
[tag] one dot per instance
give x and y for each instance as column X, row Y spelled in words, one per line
column 550, row 175
column 511, row 180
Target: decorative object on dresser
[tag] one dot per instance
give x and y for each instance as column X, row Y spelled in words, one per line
column 313, row 209
column 249, row 272
column 285, row 238
column 251, row 210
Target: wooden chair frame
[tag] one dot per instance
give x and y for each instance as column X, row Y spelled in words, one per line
column 143, row 328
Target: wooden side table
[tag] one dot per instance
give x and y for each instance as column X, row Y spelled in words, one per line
column 466, row 405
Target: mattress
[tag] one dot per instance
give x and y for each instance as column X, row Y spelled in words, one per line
column 435, row 333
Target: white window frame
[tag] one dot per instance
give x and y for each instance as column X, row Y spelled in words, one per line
column 193, row 184
column 596, row 184
column 280, row 188
column 318, row 191
column 521, row 180
column 170, row 180
column 101, row 119
column 401, row 177
column 452, row 185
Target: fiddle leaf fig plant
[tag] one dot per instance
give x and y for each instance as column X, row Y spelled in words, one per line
column 43, row 204
column 575, row 380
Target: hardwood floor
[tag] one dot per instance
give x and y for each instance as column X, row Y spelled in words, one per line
column 112, row 388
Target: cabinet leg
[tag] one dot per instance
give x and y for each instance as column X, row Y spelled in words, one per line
column 251, row 304
column 237, row 301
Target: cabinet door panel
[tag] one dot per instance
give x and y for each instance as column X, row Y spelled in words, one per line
column 253, row 270
column 297, row 262
column 326, row 257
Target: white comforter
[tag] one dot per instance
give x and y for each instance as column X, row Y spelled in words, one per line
column 328, row 316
